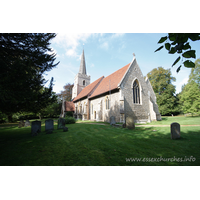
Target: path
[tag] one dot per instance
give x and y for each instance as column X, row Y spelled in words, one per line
column 141, row 125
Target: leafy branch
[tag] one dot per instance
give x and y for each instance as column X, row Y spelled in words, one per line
column 178, row 43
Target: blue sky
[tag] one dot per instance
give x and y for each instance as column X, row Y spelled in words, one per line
column 107, row 52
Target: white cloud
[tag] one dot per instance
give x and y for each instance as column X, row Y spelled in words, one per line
column 70, row 42
column 71, row 52
column 184, row 81
column 116, row 35
column 92, row 65
column 180, row 84
column 104, row 46
column 107, row 40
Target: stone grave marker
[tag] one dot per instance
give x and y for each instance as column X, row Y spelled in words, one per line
column 49, row 124
column 21, row 123
column 175, row 131
column 61, row 123
column 112, row 120
column 27, row 123
column 35, row 127
column 130, row 122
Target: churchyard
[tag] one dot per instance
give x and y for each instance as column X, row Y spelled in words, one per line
column 100, row 144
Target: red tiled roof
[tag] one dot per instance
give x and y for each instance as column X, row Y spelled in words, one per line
column 110, row 82
column 88, row 89
column 69, row 106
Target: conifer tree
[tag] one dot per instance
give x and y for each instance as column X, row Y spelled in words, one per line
column 24, row 58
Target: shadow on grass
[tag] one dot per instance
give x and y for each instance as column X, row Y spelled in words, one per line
column 96, row 145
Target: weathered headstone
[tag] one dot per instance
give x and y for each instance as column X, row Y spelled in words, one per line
column 21, row 123
column 175, row 131
column 35, row 127
column 112, row 120
column 27, row 123
column 65, row 129
column 130, row 122
column 61, row 123
column 49, row 124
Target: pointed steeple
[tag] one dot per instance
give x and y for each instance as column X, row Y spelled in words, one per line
column 82, row 69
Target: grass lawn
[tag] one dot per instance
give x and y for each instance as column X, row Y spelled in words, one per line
column 182, row 120
column 97, row 145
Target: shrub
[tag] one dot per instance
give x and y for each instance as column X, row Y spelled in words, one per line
column 3, row 117
column 69, row 114
column 70, row 120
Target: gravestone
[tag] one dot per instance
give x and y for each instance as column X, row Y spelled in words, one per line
column 35, row 127
column 175, row 131
column 112, row 120
column 130, row 122
column 49, row 124
column 21, row 123
column 65, row 129
column 27, row 123
column 61, row 123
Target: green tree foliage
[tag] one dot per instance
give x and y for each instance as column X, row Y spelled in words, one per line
column 23, row 59
column 195, row 73
column 190, row 94
column 52, row 110
column 67, row 92
column 161, row 81
column 180, row 43
column 190, row 98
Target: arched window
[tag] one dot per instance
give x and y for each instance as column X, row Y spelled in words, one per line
column 84, row 82
column 136, row 92
column 107, row 103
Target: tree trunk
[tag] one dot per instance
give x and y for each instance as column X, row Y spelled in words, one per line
column 10, row 118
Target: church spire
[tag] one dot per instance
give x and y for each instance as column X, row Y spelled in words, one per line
column 82, row 69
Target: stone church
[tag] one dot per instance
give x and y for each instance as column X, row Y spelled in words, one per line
column 124, row 94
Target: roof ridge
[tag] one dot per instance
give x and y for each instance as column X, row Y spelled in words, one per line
column 89, row 87
column 117, row 70
column 106, row 85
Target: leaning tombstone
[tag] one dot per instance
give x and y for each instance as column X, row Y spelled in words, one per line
column 49, row 124
column 35, row 127
column 130, row 122
column 175, row 131
column 61, row 123
column 27, row 123
column 112, row 120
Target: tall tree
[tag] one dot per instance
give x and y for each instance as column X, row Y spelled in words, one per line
column 180, row 43
column 190, row 94
column 161, row 81
column 195, row 73
column 67, row 92
column 190, row 98
column 23, row 59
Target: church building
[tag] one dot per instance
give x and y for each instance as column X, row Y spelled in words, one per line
column 124, row 94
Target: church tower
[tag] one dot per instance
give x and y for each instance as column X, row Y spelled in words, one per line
column 81, row 80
